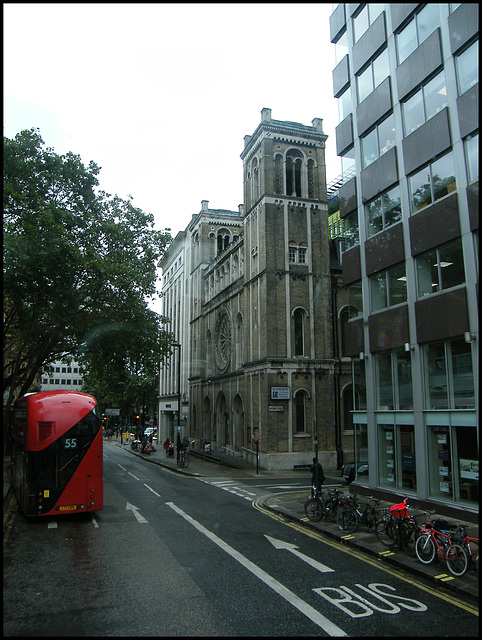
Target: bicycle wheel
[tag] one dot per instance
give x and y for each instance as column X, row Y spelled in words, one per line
column 331, row 508
column 385, row 530
column 185, row 460
column 314, row 509
column 456, row 560
column 408, row 538
column 347, row 519
column 425, row 548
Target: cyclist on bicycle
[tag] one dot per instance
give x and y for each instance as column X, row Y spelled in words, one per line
column 185, row 445
column 317, row 475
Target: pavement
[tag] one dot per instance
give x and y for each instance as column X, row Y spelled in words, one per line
column 290, row 506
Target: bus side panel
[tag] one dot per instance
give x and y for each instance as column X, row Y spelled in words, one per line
column 89, row 475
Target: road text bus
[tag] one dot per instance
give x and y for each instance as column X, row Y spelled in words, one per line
column 57, row 462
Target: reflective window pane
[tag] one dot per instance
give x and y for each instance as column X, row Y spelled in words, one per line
column 351, row 233
column 341, row 47
column 345, row 105
column 404, row 380
column 406, row 41
column 386, row 135
column 383, row 381
column 451, row 263
column 374, row 217
column 369, row 148
column 413, row 113
column 472, row 157
column 378, row 291
column 420, row 191
column 467, row 64
column 436, row 377
column 364, row 84
column 443, row 176
column 355, row 299
column 435, row 95
column 397, row 285
column 392, row 207
column 427, row 273
column 360, row 23
column 462, row 374
column 374, row 10
column 381, row 68
column 427, row 21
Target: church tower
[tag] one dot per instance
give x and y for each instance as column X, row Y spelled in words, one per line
column 288, row 341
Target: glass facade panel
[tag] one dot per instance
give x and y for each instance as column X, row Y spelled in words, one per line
column 387, row 456
column 468, row 463
column 451, row 264
column 381, row 68
column 404, row 389
column 427, row 21
column 467, row 65
column 341, row 47
column 360, row 388
column 440, row 462
column 420, row 190
column 427, row 273
column 462, row 375
column 345, row 104
column 384, row 381
column 378, row 291
column 386, row 135
column 443, row 176
column 374, row 217
column 435, row 95
column 406, row 41
column 392, row 208
column 360, row 23
column 406, row 447
column 413, row 113
column 472, row 157
column 369, row 148
column 397, row 285
column 364, row 83
column 436, row 382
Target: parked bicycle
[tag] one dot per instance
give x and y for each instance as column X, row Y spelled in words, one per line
column 469, row 544
column 435, row 541
column 397, row 527
column 353, row 513
column 323, row 504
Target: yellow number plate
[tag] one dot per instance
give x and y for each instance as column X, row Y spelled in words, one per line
column 68, row 508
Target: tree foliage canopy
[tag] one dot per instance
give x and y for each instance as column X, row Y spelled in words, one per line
column 79, row 268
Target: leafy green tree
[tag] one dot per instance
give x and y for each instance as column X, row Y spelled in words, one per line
column 78, row 264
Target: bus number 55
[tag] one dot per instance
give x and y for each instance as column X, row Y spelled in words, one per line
column 70, row 443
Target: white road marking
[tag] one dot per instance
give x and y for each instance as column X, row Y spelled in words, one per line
column 135, row 510
column 123, row 468
column 315, row 616
column 94, row 522
column 131, row 474
column 52, row 525
column 280, row 544
column 155, row 492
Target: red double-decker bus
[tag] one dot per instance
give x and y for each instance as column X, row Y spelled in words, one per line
column 57, row 461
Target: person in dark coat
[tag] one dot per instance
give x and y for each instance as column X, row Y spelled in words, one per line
column 317, row 475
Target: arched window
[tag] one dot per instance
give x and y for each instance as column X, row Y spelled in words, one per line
column 278, row 174
column 224, row 238
column 255, row 183
column 294, row 160
column 298, row 317
column 311, row 179
column 300, row 411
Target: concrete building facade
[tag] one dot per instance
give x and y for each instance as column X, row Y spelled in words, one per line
column 407, row 83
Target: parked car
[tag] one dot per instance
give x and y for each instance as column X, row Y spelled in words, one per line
column 349, row 471
column 151, row 431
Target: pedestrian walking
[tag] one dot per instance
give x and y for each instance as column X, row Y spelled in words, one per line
column 317, row 475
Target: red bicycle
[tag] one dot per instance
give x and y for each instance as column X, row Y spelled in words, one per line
column 436, row 540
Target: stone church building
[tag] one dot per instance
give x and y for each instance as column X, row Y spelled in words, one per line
column 253, row 296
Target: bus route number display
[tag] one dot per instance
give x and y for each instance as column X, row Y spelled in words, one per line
column 70, row 443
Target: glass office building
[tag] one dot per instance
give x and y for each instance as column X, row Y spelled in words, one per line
column 406, row 79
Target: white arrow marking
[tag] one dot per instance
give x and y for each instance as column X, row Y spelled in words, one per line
column 279, row 544
column 315, row 616
column 140, row 519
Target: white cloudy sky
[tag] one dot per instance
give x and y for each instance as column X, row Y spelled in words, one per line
column 161, row 95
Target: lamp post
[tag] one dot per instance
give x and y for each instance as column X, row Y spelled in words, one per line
column 177, row 344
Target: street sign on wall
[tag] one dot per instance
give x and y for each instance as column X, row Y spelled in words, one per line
column 280, row 393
